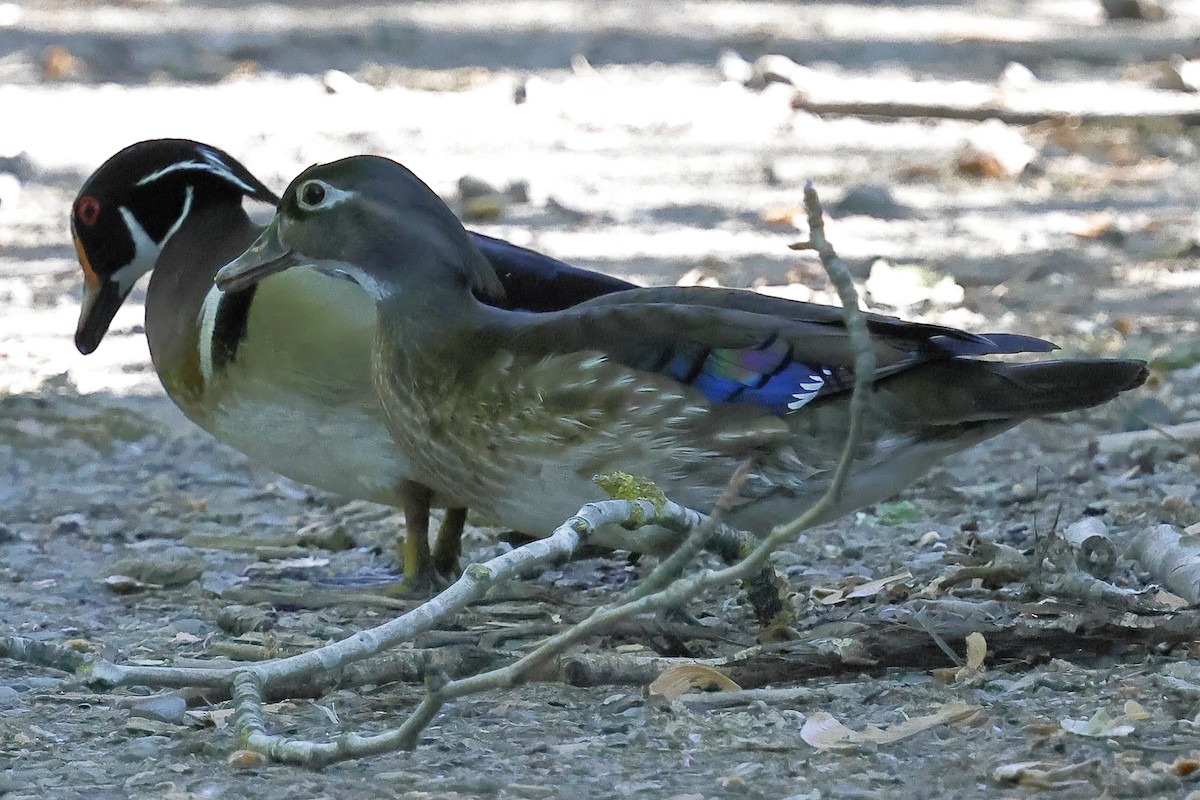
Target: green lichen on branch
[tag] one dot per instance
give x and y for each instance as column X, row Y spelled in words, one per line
column 623, row 486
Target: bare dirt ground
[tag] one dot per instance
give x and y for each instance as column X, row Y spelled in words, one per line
column 642, row 159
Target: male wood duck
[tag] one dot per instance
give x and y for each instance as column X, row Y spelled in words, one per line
column 513, row 414
column 281, row 370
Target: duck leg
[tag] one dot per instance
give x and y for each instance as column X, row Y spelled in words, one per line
column 448, row 546
column 419, row 574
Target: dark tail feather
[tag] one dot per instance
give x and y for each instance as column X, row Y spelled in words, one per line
column 963, row 391
column 1051, row 387
column 992, row 344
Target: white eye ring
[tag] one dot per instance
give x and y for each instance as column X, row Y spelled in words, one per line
column 317, row 195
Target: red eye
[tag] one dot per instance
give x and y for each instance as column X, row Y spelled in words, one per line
column 88, row 210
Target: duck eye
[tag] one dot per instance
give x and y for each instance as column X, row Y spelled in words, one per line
column 312, row 194
column 88, row 210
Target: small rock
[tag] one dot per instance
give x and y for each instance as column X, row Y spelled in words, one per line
column 195, row 627
column 929, row 539
column 68, row 524
column 337, row 82
column 42, row 683
column 994, row 150
column 1178, row 74
column 480, row 199
column 1016, row 77
column 1024, row 492
column 325, row 536
column 239, row 619
column 164, row 708
column 246, row 759
column 1141, row 10
column 175, row 566
column 870, row 200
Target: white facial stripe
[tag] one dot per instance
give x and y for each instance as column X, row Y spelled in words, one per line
column 211, row 164
column 346, row 271
column 145, row 249
column 208, row 324
column 177, row 224
column 333, row 196
column 145, row 253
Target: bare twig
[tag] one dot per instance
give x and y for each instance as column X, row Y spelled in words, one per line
column 1185, row 434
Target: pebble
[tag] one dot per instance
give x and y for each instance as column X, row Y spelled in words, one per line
column 164, row 708
column 870, row 200
column 68, row 524
column 196, row 627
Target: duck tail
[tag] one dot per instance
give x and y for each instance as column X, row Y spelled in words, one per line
column 958, row 391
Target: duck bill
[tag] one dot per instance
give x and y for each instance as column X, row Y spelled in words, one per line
column 101, row 301
column 266, row 256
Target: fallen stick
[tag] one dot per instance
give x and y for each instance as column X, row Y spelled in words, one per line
column 1186, row 433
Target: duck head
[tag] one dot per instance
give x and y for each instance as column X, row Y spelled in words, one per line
column 132, row 205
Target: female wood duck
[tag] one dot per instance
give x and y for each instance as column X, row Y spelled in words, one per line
column 279, row 371
column 513, row 414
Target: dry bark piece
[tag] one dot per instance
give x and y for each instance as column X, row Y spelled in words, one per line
column 1172, row 558
column 678, row 679
column 1184, row 434
column 824, row 732
column 1094, row 550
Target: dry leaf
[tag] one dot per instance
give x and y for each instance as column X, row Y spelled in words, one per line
column 246, row 759
column 824, row 732
column 215, row 717
column 1096, row 225
column 1013, row 773
column 1170, row 600
column 1135, row 712
column 828, row 597
column 678, row 679
column 1102, row 725
column 1039, row 775
column 976, row 650
column 872, row 588
column 783, row 215
column 124, row 584
column 1183, row 766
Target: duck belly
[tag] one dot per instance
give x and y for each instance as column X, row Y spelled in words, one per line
column 346, row 450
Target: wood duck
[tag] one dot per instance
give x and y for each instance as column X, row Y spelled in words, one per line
column 281, row 370
column 513, row 414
